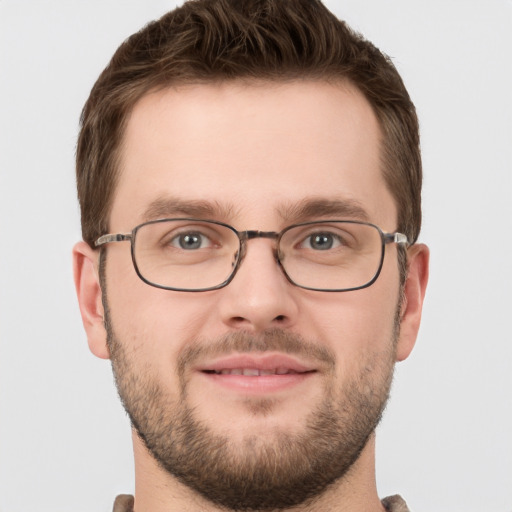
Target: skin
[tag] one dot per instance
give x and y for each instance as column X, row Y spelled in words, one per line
column 252, row 151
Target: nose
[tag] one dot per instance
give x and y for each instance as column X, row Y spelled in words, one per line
column 259, row 297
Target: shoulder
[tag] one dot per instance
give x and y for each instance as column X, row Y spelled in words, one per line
column 395, row 504
column 123, row 503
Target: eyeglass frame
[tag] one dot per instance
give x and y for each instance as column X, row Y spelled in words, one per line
column 244, row 237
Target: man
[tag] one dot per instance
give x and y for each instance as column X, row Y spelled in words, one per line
column 262, row 163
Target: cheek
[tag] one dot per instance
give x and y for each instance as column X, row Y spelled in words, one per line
column 153, row 323
column 358, row 325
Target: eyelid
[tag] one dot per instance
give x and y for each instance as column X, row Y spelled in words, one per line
column 191, row 227
column 216, row 235
column 170, row 237
column 320, row 227
column 343, row 236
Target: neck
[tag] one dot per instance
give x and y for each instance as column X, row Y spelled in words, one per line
column 158, row 491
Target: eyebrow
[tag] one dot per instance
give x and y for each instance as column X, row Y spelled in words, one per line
column 310, row 209
column 165, row 207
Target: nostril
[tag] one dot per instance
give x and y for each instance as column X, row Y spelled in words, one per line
column 280, row 318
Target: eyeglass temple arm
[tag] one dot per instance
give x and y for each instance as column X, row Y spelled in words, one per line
column 397, row 238
column 106, row 239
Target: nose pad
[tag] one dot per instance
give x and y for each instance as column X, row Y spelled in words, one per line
column 279, row 256
column 236, row 258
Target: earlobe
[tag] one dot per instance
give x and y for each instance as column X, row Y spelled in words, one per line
column 414, row 293
column 88, row 289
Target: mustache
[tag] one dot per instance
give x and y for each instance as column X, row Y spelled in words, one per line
column 244, row 342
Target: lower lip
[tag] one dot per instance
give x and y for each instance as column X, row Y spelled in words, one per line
column 260, row 384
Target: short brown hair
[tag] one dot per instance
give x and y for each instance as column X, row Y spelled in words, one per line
column 215, row 40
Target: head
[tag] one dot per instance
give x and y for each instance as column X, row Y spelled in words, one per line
column 260, row 115
column 253, row 40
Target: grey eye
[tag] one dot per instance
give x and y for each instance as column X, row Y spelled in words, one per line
column 321, row 241
column 190, row 241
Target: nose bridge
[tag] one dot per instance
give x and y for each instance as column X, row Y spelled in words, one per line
column 259, row 296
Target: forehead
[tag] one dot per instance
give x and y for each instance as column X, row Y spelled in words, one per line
column 249, row 152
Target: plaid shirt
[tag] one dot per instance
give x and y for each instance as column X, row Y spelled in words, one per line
column 124, row 503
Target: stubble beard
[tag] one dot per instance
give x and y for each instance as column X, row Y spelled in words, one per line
column 260, row 473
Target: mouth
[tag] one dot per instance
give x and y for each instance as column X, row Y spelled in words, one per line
column 257, row 373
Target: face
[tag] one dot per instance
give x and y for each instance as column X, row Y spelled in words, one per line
column 247, row 394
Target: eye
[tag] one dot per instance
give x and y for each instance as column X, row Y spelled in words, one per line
column 321, row 241
column 190, row 241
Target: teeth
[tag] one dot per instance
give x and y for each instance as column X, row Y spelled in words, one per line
column 254, row 372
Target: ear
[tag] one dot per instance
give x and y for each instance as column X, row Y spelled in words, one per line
column 414, row 292
column 87, row 284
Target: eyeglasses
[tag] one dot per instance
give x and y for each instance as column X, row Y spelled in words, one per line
column 199, row 255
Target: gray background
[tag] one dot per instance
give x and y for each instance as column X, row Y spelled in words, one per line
column 445, row 443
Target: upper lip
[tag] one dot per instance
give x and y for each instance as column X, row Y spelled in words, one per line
column 271, row 361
